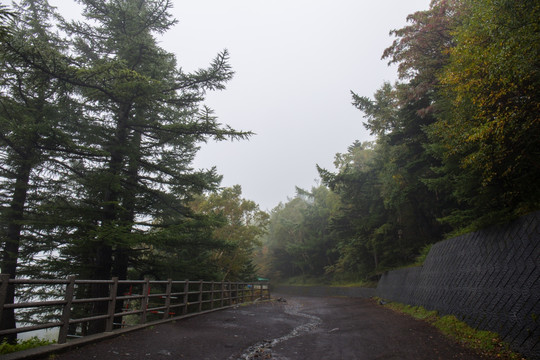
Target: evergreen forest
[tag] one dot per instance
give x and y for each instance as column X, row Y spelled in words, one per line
column 99, row 127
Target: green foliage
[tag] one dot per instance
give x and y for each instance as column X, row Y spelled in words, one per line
column 142, row 126
column 388, row 213
column 488, row 133
column 5, row 16
column 421, row 258
column 98, row 130
column 99, row 126
column 453, row 152
column 456, row 145
column 180, row 251
column 381, row 113
column 6, row 348
column 242, row 225
column 38, row 114
column 302, row 280
column 299, row 240
column 418, row 312
column 335, row 281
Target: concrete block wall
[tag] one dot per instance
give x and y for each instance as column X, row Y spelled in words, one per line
column 490, row 279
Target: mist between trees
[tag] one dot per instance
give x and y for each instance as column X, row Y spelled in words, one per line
column 457, row 148
column 100, row 125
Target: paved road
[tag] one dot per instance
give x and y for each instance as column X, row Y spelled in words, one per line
column 301, row 328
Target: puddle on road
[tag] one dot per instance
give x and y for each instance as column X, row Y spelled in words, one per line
column 263, row 349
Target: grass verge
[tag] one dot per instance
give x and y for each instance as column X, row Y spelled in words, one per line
column 6, row 348
column 321, row 281
column 484, row 342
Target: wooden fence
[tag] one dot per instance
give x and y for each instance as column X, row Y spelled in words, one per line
column 143, row 302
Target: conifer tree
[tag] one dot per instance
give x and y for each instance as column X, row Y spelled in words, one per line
column 142, row 122
column 34, row 115
column 146, row 123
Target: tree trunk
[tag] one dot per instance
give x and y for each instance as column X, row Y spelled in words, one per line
column 105, row 263
column 12, row 243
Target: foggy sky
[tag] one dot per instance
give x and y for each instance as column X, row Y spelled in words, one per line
column 296, row 62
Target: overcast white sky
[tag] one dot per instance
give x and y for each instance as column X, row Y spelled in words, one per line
column 295, row 62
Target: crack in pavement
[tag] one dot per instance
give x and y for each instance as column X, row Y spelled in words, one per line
column 263, row 349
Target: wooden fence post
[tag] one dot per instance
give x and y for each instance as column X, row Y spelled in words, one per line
column 66, row 311
column 144, row 300
column 252, row 291
column 230, row 293
column 200, row 295
column 168, row 299
column 113, row 289
column 222, row 293
column 3, row 292
column 186, row 296
column 212, row 295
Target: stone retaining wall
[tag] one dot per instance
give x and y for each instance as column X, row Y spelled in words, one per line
column 490, row 279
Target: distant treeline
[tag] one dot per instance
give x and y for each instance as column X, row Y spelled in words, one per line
column 457, row 147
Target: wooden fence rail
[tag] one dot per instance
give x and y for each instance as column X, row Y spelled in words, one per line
column 144, row 302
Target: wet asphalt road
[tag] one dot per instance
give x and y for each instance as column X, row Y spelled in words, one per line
column 301, row 328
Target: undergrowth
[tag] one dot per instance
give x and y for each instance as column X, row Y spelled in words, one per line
column 33, row 342
column 484, row 342
column 325, row 281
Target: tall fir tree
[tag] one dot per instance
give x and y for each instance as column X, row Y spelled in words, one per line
column 128, row 172
column 35, row 114
column 147, row 123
